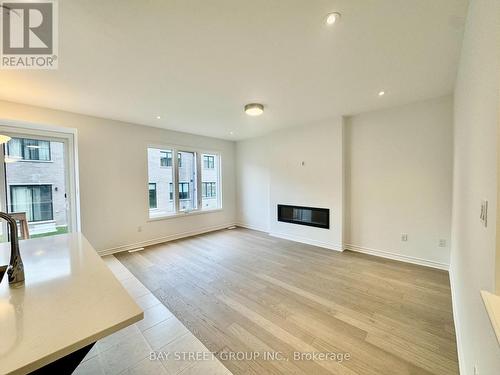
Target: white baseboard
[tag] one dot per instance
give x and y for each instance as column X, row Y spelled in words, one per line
column 252, row 227
column 326, row 245
column 157, row 241
column 336, row 247
column 456, row 320
column 399, row 257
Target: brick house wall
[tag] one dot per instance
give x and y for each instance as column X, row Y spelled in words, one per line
column 34, row 172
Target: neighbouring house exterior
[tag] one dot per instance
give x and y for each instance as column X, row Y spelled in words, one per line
column 36, row 185
column 160, row 170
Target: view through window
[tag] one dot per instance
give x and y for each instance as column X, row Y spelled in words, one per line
column 35, row 185
column 196, row 177
column 161, row 177
column 188, row 181
column 210, row 182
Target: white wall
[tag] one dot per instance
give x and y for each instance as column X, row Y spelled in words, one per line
column 270, row 171
column 253, row 179
column 399, row 180
column 114, row 176
column 476, row 115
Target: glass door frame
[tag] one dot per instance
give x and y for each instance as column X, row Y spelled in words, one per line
column 68, row 137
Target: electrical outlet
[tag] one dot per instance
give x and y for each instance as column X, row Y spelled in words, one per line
column 404, row 237
column 483, row 216
column 139, row 229
column 442, row 243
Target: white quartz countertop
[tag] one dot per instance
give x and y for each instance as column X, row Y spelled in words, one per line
column 70, row 299
column 492, row 304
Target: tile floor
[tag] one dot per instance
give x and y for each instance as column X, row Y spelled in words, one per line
column 128, row 351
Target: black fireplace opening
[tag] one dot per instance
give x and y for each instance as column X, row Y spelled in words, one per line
column 310, row 216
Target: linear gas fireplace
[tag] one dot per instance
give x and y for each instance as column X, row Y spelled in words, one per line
column 311, row 216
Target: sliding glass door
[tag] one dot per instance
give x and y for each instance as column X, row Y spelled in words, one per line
column 37, row 186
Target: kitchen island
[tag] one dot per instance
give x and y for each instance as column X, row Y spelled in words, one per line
column 70, row 300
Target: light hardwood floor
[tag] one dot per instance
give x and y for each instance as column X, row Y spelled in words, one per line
column 244, row 291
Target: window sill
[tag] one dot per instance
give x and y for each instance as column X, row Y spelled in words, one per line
column 33, row 161
column 41, row 221
column 184, row 214
column 492, row 304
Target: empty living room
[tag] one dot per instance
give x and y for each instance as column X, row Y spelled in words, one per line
column 250, row 187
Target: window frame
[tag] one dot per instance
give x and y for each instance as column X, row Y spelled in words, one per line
column 175, row 149
column 167, row 159
column 213, row 188
column 184, row 191
column 149, row 195
column 209, row 158
column 30, row 187
column 25, row 156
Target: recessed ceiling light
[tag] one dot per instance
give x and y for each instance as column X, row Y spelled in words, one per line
column 158, row 117
column 254, row 109
column 332, row 18
column 231, row 133
column 381, row 93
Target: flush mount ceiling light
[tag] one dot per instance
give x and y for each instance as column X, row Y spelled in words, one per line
column 4, row 139
column 332, row 18
column 254, row 109
column 381, row 93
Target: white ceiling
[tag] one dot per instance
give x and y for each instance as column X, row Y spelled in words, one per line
column 197, row 62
